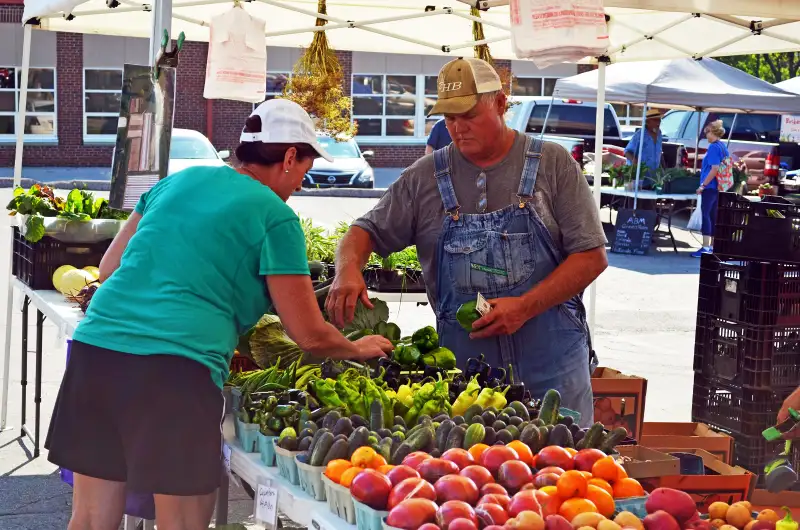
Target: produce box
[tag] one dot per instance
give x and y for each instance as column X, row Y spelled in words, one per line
column 619, row 400
column 720, row 483
column 765, row 499
column 641, row 462
column 688, row 436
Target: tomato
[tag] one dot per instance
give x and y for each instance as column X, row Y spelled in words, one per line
column 493, row 457
column 478, row 474
column 371, row 488
column 402, row 491
column 524, row 501
column 399, row 473
column 456, row 488
column 513, row 474
column 452, row 510
column 433, row 469
column 489, row 514
column 554, row 455
column 415, row 459
column 412, row 514
column 494, row 498
column 459, row 457
column 493, row 488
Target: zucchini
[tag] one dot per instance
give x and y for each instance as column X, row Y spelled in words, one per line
column 455, row 439
column 614, row 438
column 490, row 436
column 551, row 402
column 376, row 415
column 474, row 435
column 522, row 410
column 337, row 451
column 343, row 426
column 359, row 438
column 593, row 437
column 504, row 436
column 321, row 448
column 442, row 432
column 472, row 411
column 330, row 419
column 561, row 436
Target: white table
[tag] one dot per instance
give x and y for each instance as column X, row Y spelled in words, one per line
column 416, row 298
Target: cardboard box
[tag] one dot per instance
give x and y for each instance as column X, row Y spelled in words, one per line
column 641, row 462
column 619, row 400
column 720, row 483
column 764, row 499
column 688, row 436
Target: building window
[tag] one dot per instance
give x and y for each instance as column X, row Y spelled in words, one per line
column 533, row 86
column 40, row 116
column 387, row 105
column 628, row 114
column 102, row 89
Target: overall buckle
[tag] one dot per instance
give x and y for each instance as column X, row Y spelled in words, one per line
column 523, row 199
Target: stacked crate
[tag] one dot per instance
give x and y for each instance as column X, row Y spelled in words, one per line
column 747, row 343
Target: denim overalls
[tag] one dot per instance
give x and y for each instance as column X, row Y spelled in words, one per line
column 501, row 254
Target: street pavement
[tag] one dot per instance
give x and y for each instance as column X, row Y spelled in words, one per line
column 646, row 310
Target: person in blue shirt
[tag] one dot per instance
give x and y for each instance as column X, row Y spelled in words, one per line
column 651, row 150
column 439, row 138
column 708, row 190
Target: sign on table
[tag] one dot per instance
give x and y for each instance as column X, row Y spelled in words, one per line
column 633, row 232
column 790, row 128
column 266, row 506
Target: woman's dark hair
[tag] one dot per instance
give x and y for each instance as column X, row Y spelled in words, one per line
column 268, row 154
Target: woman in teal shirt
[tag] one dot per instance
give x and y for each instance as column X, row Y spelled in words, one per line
column 140, row 406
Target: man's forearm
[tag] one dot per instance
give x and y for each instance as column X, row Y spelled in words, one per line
column 574, row 275
column 354, row 249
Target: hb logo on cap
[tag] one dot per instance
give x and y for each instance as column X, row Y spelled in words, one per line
column 450, row 87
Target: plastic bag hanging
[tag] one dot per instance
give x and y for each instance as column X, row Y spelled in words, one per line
column 237, row 57
column 557, row 31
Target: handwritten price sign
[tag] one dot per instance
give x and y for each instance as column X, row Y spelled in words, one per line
column 267, row 505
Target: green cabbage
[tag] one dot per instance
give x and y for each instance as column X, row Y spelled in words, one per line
column 267, row 341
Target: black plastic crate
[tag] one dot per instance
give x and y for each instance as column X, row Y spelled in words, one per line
column 735, row 409
column 754, row 452
column 767, row 229
column 751, row 292
column 34, row 263
column 394, row 281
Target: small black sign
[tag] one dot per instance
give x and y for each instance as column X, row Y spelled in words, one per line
column 633, row 232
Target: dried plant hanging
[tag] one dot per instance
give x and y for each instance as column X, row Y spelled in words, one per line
column 482, row 52
column 316, row 85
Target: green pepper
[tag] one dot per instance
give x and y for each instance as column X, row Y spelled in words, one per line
column 406, row 354
column 467, row 314
column 326, row 392
column 426, row 339
column 351, row 397
column 411, row 416
column 441, row 358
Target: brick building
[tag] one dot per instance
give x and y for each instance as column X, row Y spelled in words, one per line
column 75, row 81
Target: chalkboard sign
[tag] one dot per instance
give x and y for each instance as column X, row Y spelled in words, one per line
column 633, row 231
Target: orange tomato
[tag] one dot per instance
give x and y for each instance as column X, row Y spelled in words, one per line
column 587, row 474
column 385, row 469
column 349, row 475
column 335, row 468
column 607, row 469
column 363, row 457
column 477, row 450
column 602, row 499
column 572, row 507
column 377, row 461
column 627, row 487
column 600, row 483
column 523, row 450
column 572, row 452
column 571, row 484
column 550, row 490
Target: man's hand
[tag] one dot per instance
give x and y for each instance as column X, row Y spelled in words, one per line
column 793, row 401
column 347, row 288
column 373, row 346
column 506, row 317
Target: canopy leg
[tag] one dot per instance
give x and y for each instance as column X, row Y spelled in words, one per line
column 599, row 139
column 23, row 103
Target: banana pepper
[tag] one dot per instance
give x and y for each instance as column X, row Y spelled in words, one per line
column 466, row 398
column 405, row 395
column 440, row 358
column 787, row 523
column 499, row 400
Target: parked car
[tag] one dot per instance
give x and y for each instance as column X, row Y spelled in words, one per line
column 755, row 143
column 190, row 148
column 349, row 169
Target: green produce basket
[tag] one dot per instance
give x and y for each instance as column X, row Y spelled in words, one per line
column 236, row 394
column 339, row 500
column 287, row 467
column 367, row 518
column 248, row 433
column 267, row 449
column 635, row 505
column 310, row 477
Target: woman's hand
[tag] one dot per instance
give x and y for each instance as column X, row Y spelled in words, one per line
column 372, row 346
column 700, row 190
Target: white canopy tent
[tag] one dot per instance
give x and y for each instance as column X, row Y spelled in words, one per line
column 792, row 85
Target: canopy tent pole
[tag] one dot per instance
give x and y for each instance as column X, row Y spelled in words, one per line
column 639, row 157
column 730, row 133
column 599, row 140
column 697, row 139
column 162, row 20
column 20, row 131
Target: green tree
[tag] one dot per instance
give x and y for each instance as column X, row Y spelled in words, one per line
column 771, row 67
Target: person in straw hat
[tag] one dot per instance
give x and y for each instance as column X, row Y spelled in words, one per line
column 651, row 148
column 496, row 214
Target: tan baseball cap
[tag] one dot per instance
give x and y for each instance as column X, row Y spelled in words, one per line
column 460, row 83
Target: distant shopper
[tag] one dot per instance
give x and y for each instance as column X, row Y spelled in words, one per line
column 439, row 137
column 709, row 189
column 651, row 148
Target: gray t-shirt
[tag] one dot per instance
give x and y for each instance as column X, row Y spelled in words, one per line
column 411, row 211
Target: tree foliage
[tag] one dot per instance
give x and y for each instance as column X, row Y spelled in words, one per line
column 771, row 67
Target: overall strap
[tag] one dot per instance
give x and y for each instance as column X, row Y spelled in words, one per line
column 533, row 157
column 441, row 165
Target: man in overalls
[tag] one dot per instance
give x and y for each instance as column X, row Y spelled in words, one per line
column 495, row 213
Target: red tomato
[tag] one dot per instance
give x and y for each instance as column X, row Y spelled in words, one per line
column 452, row 510
column 489, row 514
column 404, row 489
column 371, row 488
column 459, row 457
column 478, row 474
column 415, row 459
column 456, row 488
column 399, row 473
column 412, row 514
column 493, row 457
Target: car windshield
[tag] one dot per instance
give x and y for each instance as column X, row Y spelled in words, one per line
column 188, row 148
column 570, row 120
column 346, row 149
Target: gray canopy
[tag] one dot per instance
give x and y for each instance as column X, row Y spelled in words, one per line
column 792, row 85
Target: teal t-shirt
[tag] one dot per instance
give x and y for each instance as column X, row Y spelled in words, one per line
column 191, row 279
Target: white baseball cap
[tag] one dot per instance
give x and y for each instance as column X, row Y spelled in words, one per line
column 284, row 122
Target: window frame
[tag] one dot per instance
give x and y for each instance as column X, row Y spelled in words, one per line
column 98, row 138
column 541, row 79
column 418, row 118
column 31, row 137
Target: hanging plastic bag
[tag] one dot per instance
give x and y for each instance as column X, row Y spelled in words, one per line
column 696, row 220
column 237, row 57
column 557, row 31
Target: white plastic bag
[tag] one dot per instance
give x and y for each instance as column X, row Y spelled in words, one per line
column 237, row 57
column 696, row 220
column 556, row 31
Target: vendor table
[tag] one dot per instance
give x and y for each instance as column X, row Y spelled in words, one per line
column 665, row 204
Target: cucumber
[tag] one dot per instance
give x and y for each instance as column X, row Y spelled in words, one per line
column 505, row 418
column 548, row 413
column 513, row 430
column 384, row 433
column 343, row 426
column 436, row 453
column 593, row 437
column 490, row 437
column 499, row 425
column 385, row 448
column 304, row 444
column 337, row 451
column 357, row 421
column 477, row 420
column 567, row 420
column 510, row 412
column 315, row 438
column 538, row 422
column 474, row 435
column 530, row 437
column 489, row 417
column 399, row 437
column 544, row 436
column 516, row 421
column 504, row 437
column 359, row 438
column 413, row 443
column 442, row 432
column 493, row 410
column 321, row 448
column 340, row 437
column 472, row 411
column 614, row 437
column 399, row 421
column 305, row 433
column 574, row 428
column 289, row 443
column 458, row 420
column 400, row 453
column 455, row 439
column 561, row 436
column 329, row 422
column 522, row 411
column 376, row 415
column 424, row 418
column 440, row 418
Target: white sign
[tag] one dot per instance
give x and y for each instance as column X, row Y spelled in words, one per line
column 790, row 128
column 482, row 306
column 266, row 509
